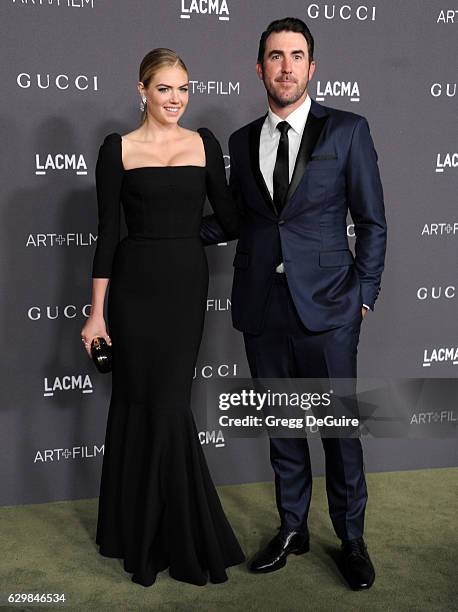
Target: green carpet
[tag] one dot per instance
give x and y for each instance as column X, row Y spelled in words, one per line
column 410, row 532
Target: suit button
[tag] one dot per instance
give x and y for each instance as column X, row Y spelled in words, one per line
column 281, row 222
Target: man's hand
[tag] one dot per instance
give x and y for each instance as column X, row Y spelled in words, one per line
column 364, row 311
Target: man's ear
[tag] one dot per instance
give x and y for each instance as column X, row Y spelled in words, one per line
column 312, row 69
column 259, row 70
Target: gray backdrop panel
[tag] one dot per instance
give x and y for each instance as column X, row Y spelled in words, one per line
column 396, row 54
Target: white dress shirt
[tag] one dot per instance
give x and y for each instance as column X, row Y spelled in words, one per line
column 268, row 145
column 270, row 137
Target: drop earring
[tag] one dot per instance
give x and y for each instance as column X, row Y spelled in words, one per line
column 143, row 104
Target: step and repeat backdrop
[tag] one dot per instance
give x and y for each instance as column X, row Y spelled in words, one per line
column 69, row 73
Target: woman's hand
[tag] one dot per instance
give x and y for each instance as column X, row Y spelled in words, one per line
column 94, row 326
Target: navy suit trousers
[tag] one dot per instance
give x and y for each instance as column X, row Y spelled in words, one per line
column 285, row 348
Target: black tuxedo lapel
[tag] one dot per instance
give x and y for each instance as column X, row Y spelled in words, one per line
column 312, row 131
column 254, row 137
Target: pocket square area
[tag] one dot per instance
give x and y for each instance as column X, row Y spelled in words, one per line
column 322, row 157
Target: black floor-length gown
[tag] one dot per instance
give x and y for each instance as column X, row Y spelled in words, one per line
column 158, row 507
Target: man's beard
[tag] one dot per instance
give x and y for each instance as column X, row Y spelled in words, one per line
column 286, row 102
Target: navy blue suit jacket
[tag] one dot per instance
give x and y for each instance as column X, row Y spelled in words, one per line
column 336, row 171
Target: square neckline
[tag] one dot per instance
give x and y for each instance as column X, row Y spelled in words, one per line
column 154, row 167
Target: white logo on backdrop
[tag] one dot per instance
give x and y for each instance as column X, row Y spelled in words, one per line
column 449, row 228
column 218, row 304
column 446, row 161
column 448, row 16
column 70, row 311
column 440, row 355
column 337, row 89
column 53, row 239
column 344, row 12
column 223, row 370
column 74, row 382
column 427, row 418
column 60, row 82
column 219, row 88
column 215, row 438
column 76, row 452
column 212, row 437
column 218, row 8
column 443, row 89
column 60, row 161
column 435, row 293
column 56, row 3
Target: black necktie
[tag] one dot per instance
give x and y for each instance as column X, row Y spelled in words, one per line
column 281, row 170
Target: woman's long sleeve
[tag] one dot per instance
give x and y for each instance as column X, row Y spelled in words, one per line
column 108, row 177
column 222, row 198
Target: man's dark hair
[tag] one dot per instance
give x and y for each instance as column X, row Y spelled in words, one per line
column 287, row 24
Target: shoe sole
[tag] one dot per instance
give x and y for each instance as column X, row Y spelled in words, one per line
column 298, row 551
column 355, row 587
column 361, row 588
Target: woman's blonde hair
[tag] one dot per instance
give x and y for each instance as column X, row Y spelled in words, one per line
column 153, row 62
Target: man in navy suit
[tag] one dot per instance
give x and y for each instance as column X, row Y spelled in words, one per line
column 299, row 295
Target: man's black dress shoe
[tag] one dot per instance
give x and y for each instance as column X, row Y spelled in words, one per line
column 273, row 556
column 357, row 565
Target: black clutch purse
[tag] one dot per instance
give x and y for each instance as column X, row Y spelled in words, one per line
column 101, row 354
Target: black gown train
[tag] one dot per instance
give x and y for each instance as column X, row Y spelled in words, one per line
column 158, row 507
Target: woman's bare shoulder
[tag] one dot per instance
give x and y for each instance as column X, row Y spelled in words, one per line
column 132, row 136
column 190, row 133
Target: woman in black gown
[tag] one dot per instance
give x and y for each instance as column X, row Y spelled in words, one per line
column 158, row 506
